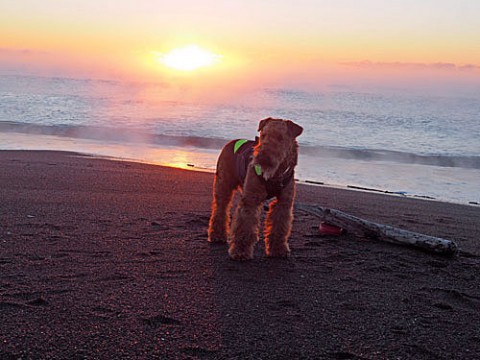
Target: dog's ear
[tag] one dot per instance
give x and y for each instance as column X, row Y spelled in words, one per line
column 294, row 129
column 262, row 123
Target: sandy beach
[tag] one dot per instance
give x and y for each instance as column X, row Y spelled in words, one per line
column 103, row 259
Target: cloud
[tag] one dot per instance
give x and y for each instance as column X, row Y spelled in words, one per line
column 469, row 67
column 16, row 52
column 367, row 64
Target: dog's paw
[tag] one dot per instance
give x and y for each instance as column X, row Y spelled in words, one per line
column 237, row 253
column 240, row 257
column 217, row 239
column 278, row 252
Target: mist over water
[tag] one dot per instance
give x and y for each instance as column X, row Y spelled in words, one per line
column 397, row 141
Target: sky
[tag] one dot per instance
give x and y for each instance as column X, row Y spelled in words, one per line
column 301, row 43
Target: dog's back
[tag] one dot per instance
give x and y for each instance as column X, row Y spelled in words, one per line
column 235, row 158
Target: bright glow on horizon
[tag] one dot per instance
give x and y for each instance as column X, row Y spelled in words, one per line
column 188, row 58
column 311, row 43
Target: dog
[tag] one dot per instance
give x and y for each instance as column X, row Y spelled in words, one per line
column 263, row 169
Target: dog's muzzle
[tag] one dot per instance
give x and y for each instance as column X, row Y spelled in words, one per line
column 264, row 160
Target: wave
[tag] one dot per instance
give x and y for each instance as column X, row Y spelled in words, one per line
column 467, row 162
column 129, row 135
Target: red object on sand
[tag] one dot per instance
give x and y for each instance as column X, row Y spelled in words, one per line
column 329, row 229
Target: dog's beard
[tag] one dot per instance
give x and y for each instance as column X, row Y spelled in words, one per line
column 268, row 173
column 265, row 170
column 267, row 159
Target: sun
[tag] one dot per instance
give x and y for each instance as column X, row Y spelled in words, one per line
column 188, row 58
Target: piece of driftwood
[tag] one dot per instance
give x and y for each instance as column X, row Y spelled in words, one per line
column 390, row 234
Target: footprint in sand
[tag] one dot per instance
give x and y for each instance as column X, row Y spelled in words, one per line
column 160, row 320
column 449, row 299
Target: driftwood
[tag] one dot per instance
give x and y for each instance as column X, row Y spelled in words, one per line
column 390, row 234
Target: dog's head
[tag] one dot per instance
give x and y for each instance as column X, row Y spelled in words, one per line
column 277, row 145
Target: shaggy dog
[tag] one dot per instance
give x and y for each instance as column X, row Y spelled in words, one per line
column 264, row 169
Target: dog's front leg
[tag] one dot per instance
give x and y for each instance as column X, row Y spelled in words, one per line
column 278, row 223
column 244, row 231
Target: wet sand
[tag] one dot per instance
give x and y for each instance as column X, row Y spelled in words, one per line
column 104, row 259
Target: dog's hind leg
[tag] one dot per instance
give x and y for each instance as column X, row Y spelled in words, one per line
column 223, row 189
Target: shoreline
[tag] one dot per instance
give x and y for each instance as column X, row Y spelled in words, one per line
column 109, row 259
column 428, row 182
column 188, row 158
column 193, row 167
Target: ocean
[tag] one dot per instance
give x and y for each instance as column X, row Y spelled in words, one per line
column 395, row 141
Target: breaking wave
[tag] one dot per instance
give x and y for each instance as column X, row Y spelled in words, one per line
column 129, row 135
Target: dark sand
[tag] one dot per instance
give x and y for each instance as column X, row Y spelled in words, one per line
column 109, row 260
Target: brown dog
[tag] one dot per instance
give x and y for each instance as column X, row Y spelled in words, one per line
column 264, row 169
